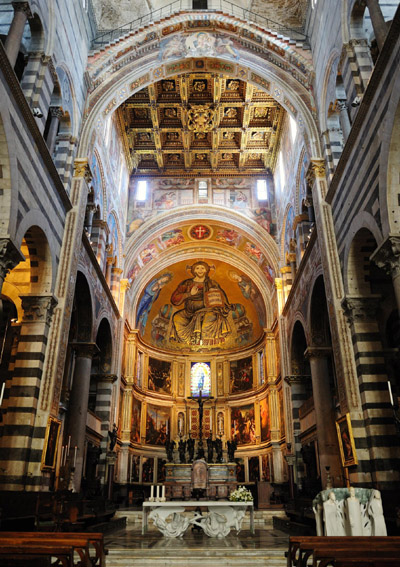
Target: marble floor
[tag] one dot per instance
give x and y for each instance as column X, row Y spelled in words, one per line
column 129, row 547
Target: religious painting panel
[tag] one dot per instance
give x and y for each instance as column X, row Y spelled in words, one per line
column 200, row 379
column 240, row 472
column 161, row 472
column 189, row 307
column 265, row 420
column 265, row 466
column 139, row 369
column 148, row 469
column 50, row 444
column 261, row 376
column 241, row 375
column 346, row 441
column 159, row 376
column 254, row 469
column 281, row 413
column 135, row 424
column 135, row 468
column 157, row 425
column 243, row 427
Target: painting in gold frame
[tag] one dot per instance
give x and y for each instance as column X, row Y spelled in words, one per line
column 49, row 453
column 346, row 441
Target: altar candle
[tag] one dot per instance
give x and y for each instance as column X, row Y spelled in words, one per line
column 389, row 388
column 190, row 420
column 152, row 491
column 163, row 492
column 62, row 455
column 69, row 443
column 158, row 492
column 76, row 449
column 65, row 455
column 2, row 393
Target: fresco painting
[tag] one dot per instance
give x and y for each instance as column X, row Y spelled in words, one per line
column 148, row 469
column 157, row 425
column 189, row 307
column 159, row 376
column 200, row 44
column 241, row 375
column 243, row 426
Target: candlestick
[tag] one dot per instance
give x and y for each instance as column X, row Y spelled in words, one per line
column 163, row 492
column 76, row 449
column 190, row 419
column 2, row 393
column 158, row 492
column 62, row 456
column 68, row 446
column 151, row 492
column 65, row 455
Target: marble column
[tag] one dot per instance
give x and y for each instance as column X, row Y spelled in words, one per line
column 10, row 256
column 14, row 38
column 344, row 118
column 387, row 257
column 78, row 405
column 56, row 114
column 328, row 449
column 378, row 22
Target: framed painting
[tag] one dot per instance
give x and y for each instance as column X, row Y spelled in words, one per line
column 49, row 453
column 346, row 441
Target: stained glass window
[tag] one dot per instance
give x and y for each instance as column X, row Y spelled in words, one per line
column 200, row 379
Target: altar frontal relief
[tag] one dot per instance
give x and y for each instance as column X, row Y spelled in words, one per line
column 157, row 425
column 200, row 305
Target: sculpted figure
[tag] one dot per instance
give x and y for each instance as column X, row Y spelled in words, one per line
column 375, row 512
column 354, row 514
column 176, row 527
column 333, row 519
column 182, row 451
column 190, row 447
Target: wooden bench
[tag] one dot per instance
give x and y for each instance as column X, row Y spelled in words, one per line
column 88, row 547
column 335, row 551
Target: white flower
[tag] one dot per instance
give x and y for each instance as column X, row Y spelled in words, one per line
column 241, row 494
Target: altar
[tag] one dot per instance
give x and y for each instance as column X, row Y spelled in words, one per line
column 220, row 518
column 215, row 480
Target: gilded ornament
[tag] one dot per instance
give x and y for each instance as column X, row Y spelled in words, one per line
column 201, row 118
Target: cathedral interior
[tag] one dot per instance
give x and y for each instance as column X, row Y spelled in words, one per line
column 200, row 210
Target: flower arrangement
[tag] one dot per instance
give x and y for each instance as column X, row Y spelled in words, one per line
column 241, row 494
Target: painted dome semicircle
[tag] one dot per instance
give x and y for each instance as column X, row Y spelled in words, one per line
column 202, row 305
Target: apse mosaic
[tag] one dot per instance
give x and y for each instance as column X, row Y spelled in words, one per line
column 200, row 306
column 157, row 425
column 243, row 425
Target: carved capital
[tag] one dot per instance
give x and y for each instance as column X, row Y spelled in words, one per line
column 38, row 308
column 387, row 256
column 357, row 308
column 111, row 378
column 358, row 42
column 317, row 352
column 318, row 166
column 341, row 104
column 85, row 350
column 23, row 7
column 10, row 256
column 56, row 112
column 124, row 285
column 82, row 169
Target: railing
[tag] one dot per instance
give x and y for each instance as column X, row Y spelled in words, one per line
column 108, row 36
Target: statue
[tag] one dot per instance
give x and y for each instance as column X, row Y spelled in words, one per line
column 113, row 437
column 190, row 448
column 174, row 528
column 353, row 509
column 218, row 450
column 170, row 447
column 232, row 446
column 333, row 518
column 375, row 512
column 219, row 524
column 210, row 450
column 182, row 451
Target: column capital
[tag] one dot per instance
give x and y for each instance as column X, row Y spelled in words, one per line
column 38, row 308
column 56, row 112
column 111, row 378
column 10, row 256
column 387, row 255
column 317, row 352
column 318, row 167
column 341, row 104
column 125, row 285
column 360, row 308
column 85, row 350
column 82, row 169
column 357, row 42
column 22, row 7
column 297, row 378
column 300, row 218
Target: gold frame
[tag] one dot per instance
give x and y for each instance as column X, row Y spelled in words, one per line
column 49, row 453
column 347, row 447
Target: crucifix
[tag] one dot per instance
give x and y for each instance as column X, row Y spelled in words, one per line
column 200, row 401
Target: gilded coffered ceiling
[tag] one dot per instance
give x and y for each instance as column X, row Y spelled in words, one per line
column 201, row 123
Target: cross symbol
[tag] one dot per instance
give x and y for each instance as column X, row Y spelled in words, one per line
column 200, row 231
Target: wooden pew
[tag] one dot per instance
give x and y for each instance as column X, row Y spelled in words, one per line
column 324, row 551
column 89, row 547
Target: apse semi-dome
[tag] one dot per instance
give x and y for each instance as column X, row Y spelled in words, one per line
column 201, row 305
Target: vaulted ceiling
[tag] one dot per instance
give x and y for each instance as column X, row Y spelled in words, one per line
column 201, row 123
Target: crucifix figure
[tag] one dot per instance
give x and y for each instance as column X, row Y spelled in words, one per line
column 200, row 402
